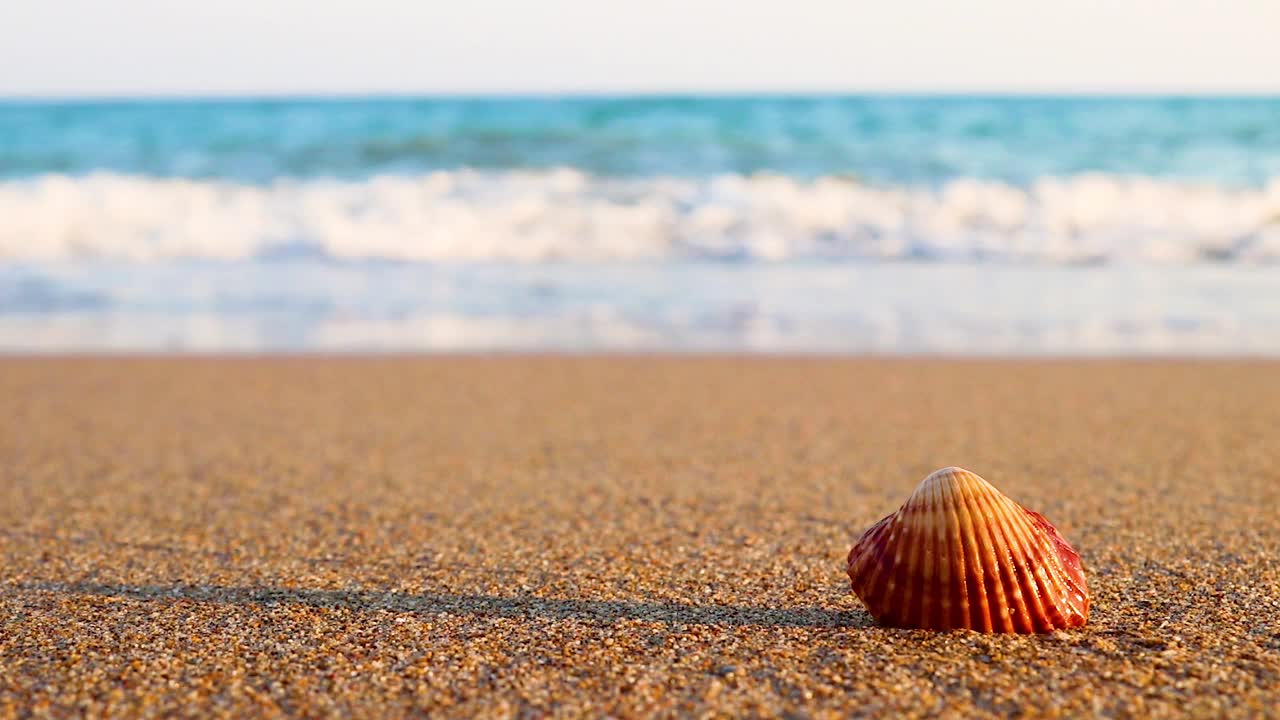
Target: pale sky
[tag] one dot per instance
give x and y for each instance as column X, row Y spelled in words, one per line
column 158, row 47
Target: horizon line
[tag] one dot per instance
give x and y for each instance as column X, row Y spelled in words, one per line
column 657, row 93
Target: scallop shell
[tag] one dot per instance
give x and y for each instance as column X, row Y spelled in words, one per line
column 959, row 554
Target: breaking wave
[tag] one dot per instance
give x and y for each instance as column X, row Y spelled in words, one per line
column 571, row 216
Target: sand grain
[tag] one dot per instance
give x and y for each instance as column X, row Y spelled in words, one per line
column 628, row 536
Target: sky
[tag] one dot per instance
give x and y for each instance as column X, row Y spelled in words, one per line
column 219, row 47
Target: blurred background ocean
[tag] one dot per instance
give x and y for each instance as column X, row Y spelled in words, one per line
column 881, row 224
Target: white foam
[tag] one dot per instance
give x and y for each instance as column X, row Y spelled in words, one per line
column 567, row 215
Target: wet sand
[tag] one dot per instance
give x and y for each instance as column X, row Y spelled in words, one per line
column 507, row 537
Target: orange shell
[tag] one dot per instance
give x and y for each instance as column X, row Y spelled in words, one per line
column 959, row 554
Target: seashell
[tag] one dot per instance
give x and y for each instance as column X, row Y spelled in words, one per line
column 959, row 554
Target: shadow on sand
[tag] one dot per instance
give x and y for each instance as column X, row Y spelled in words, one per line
column 607, row 611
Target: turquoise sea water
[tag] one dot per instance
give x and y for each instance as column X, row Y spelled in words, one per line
column 894, row 140
column 842, row 224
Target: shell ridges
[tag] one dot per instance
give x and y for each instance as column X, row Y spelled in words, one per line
column 959, row 554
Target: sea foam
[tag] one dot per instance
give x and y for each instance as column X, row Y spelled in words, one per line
column 568, row 215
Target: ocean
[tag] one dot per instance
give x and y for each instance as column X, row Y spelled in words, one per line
column 958, row 225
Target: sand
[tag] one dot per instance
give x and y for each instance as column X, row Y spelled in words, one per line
column 519, row 537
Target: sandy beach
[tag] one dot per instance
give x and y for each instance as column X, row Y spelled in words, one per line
column 624, row 536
